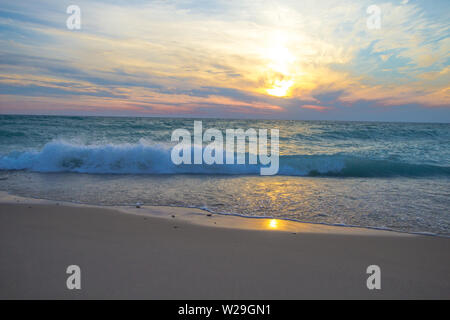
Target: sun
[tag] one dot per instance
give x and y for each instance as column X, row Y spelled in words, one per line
column 280, row 59
column 280, row 88
column 280, row 62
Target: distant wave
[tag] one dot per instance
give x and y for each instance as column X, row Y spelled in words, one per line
column 9, row 134
column 374, row 132
column 149, row 158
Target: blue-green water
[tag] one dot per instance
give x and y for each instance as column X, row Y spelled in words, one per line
column 387, row 175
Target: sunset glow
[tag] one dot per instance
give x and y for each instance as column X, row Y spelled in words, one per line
column 280, row 88
column 287, row 60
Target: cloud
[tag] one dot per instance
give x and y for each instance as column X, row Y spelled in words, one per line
column 314, row 107
column 223, row 57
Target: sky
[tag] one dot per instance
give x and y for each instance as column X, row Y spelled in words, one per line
column 259, row 59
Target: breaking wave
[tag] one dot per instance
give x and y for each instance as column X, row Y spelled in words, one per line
column 150, row 158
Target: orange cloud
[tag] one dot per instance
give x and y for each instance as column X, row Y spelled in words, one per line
column 314, row 107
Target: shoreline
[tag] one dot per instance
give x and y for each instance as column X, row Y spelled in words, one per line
column 126, row 254
column 224, row 220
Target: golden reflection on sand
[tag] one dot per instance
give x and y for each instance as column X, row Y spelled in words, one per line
column 273, row 223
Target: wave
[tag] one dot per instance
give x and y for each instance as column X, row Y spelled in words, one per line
column 149, row 158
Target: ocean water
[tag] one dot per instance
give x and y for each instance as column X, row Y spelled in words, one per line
column 383, row 175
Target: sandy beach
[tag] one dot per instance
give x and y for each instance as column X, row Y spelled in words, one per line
column 171, row 254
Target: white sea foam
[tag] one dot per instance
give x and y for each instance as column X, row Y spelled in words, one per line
column 146, row 157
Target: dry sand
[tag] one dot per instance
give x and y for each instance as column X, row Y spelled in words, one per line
column 152, row 255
